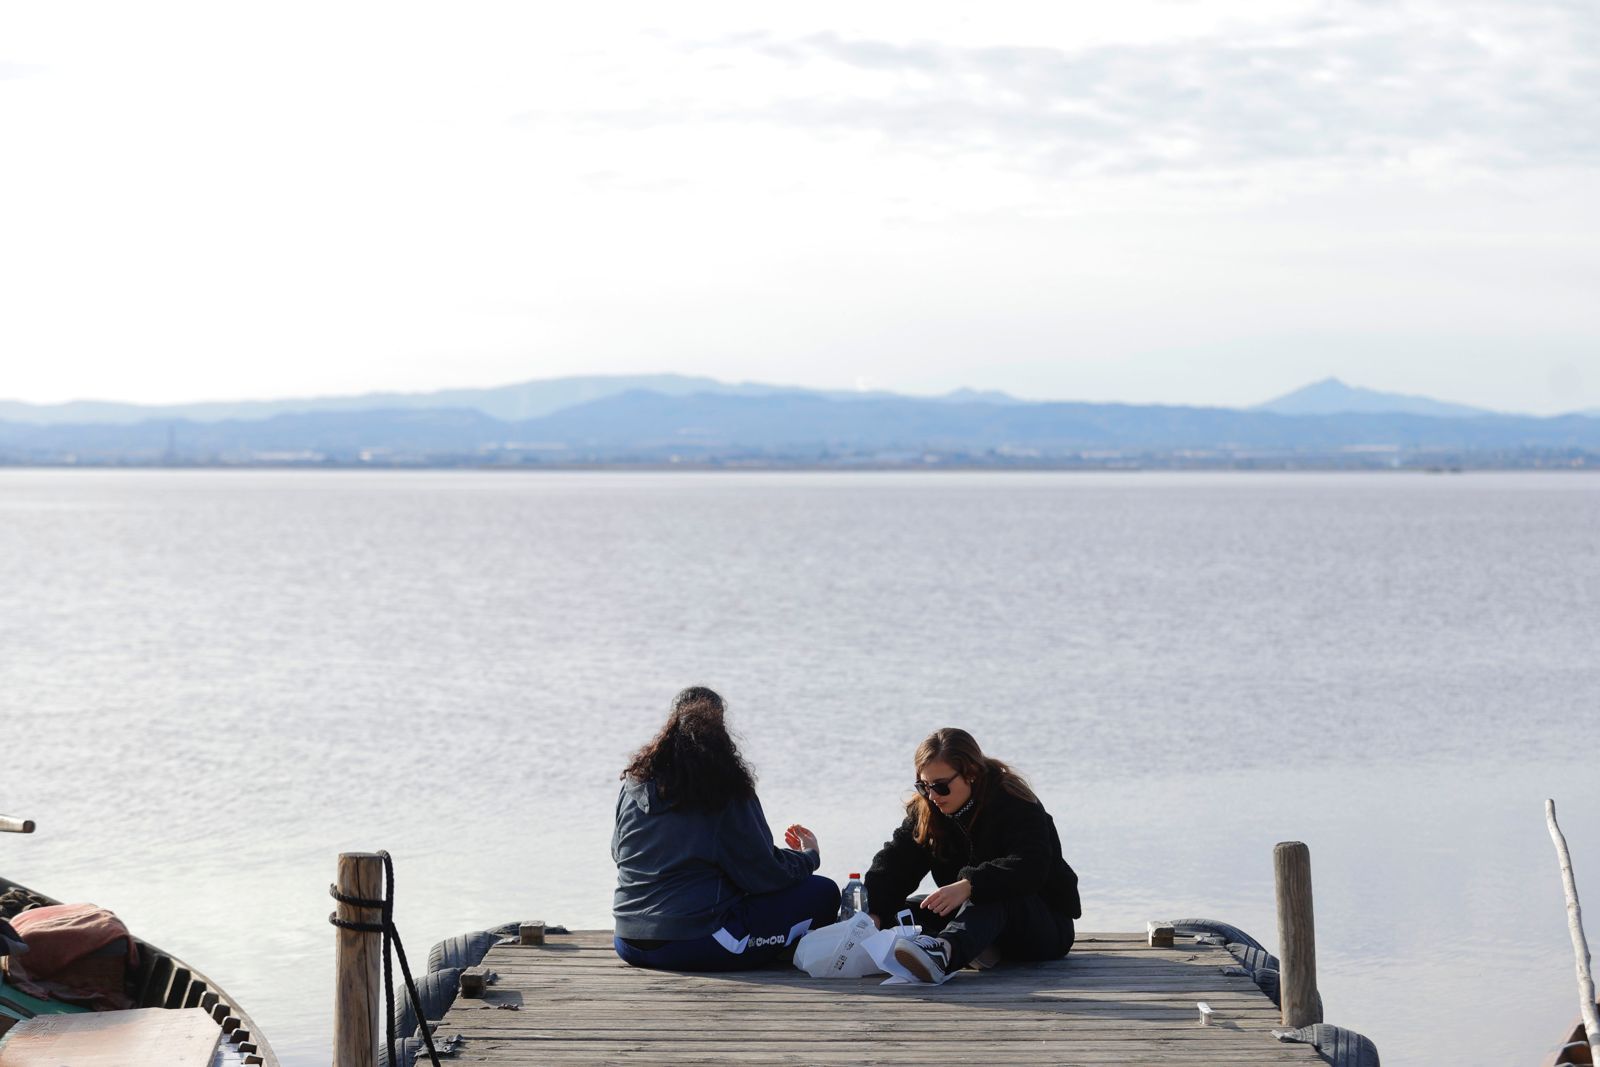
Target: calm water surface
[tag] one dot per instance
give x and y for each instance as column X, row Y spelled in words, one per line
column 213, row 682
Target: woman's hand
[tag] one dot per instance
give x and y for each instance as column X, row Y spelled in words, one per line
column 799, row 837
column 947, row 900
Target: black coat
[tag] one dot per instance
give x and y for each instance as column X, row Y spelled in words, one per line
column 1009, row 850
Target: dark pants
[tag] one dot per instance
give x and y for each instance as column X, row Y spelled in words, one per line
column 758, row 931
column 1024, row 928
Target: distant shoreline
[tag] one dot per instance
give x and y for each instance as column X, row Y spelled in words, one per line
column 1332, row 465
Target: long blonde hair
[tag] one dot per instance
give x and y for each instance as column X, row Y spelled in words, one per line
column 960, row 750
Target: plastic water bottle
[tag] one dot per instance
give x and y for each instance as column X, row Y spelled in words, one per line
column 853, row 898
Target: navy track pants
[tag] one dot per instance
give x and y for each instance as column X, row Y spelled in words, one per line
column 757, row 931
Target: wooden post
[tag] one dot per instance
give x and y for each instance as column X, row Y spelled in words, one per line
column 531, row 933
column 474, row 981
column 1580, row 944
column 358, row 984
column 1297, row 936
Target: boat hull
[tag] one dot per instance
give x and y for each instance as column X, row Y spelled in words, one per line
column 162, row 980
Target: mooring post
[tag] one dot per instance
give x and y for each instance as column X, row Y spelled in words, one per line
column 358, row 983
column 1297, row 936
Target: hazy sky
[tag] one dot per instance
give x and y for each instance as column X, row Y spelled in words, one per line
column 1176, row 201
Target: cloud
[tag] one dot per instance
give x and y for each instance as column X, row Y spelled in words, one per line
column 1358, row 94
column 1421, row 86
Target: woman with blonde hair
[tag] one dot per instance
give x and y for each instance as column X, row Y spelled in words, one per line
column 994, row 854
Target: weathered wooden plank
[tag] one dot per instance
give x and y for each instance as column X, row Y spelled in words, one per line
column 1145, row 957
column 985, row 1033
column 959, row 988
column 609, row 961
column 1059, row 1012
column 865, row 1054
column 1089, row 1014
column 857, row 1052
column 1115, row 1000
column 578, row 939
column 1008, row 978
column 861, row 1052
column 142, row 1037
column 682, row 1044
column 1049, row 1001
column 674, row 1049
column 1061, row 1015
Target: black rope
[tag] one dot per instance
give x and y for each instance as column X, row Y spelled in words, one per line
column 391, row 937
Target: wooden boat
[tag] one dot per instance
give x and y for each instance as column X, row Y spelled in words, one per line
column 1574, row 1050
column 161, row 980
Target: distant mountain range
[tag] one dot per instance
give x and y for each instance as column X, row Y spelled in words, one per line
column 1332, row 397
column 524, row 400
column 671, row 419
column 532, row 399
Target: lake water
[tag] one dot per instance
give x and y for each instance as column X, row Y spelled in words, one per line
column 211, row 683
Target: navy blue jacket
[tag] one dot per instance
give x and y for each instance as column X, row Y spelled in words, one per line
column 679, row 870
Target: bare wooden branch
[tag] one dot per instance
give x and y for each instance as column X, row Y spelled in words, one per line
column 1580, row 944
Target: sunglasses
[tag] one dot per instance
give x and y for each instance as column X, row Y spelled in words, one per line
column 940, row 788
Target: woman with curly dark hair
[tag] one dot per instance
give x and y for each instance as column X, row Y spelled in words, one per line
column 995, row 857
column 700, row 884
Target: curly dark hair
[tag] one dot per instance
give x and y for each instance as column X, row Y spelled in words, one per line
column 693, row 760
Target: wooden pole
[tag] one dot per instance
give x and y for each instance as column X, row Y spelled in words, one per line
column 1297, row 936
column 1580, row 944
column 358, row 982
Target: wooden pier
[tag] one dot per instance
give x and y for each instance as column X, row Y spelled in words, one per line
column 1115, row 1000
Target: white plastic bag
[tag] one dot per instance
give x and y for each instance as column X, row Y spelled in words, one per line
column 839, row 950
column 880, row 946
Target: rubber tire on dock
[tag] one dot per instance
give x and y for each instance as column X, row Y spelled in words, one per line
column 463, row 950
column 436, row 990
column 1261, row 965
column 1340, row 1047
column 405, row 1053
column 1211, row 926
column 1253, row 959
column 1267, row 981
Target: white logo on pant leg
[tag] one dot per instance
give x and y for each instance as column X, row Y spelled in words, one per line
column 762, row 942
column 737, row 947
column 727, row 941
